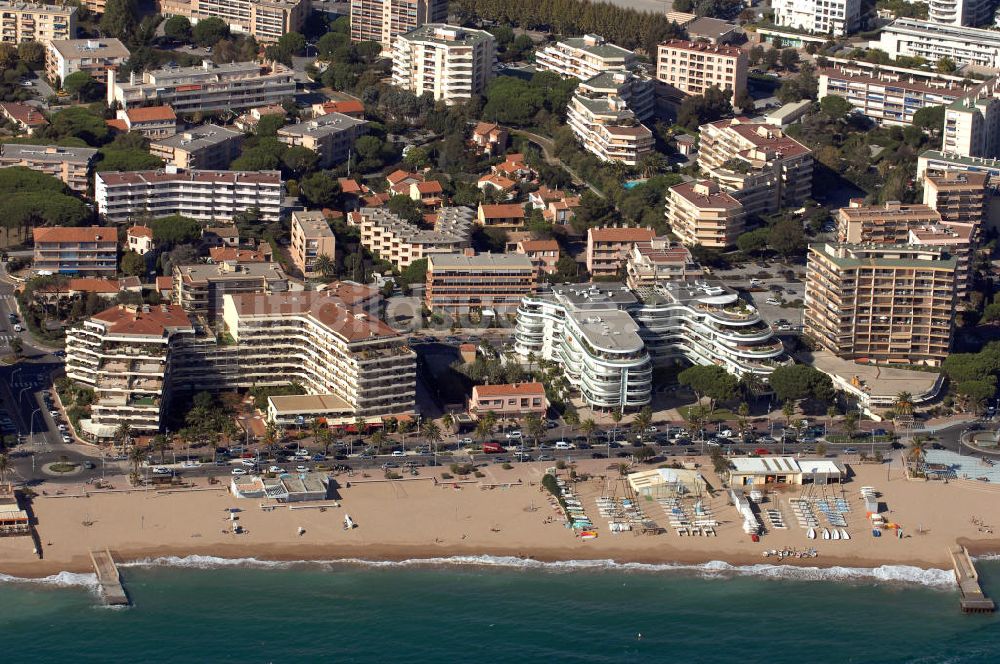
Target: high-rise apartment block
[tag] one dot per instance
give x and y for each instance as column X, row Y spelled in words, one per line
column 449, row 62
column 758, row 164
column 888, row 304
column 71, row 250
column 312, row 237
column 205, row 195
column 889, row 223
column 467, row 282
column 206, row 88
column 829, row 17
column 583, row 57
column 29, row 21
column 702, row 213
column 201, row 288
column 957, row 196
column 383, row 20
column 693, row 67
column 607, row 248
column 266, row 20
column 608, row 129
column 885, row 96
column 94, row 56
column 933, row 41
column 962, row 12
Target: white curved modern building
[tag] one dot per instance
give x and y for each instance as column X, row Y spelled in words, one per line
column 607, row 338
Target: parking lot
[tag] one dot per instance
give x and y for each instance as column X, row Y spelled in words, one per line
column 768, row 286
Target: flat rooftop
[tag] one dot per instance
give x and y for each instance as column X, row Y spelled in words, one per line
column 196, row 138
column 878, row 379
column 331, row 123
column 612, row 329
column 47, row 153
column 71, row 49
column 309, row 403
column 765, row 465
column 490, row 262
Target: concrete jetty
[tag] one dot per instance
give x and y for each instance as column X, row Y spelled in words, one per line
column 973, row 599
column 111, row 581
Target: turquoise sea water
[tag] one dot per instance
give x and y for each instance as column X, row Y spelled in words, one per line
column 342, row 612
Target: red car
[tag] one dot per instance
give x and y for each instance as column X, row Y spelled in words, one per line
column 760, row 451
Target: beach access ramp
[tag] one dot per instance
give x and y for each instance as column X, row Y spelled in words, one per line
column 110, row 579
column 973, row 599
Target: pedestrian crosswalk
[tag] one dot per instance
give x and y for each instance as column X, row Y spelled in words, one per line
column 5, row 339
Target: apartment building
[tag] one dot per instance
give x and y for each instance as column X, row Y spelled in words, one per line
column 887, row 304
column 451, row 63
column 206, row 88
column 400, row 242
column 659, row 260
column 886, row 97
column 205, row 147
column 957, row 239
column 957, row 196
column 691, row 68
column 635, row 88
column 204, row 195
column 312, row 237
column 94, row 56
column 266, row 20
column 73, row 250
column 508, row 400
column 200, row 288
column 935, row 162
column 583, row 57
column 758, row 164
column 467, row 282
column 608, row 129
column 316, row 340
column 607, row 248
column 544, row 254
column 330, row 136
column 150, row 121
column 827, row 17
column 701, row 213
column 961, row 12
column 126, row 354
column 607, row 338
column 933, row 41
column 889, row 223
column 383, row 20
column 29, row 21
column 71, row 165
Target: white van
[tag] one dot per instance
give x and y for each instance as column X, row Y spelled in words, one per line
column 563, row 445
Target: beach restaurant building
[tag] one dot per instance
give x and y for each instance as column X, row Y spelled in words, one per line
column 755, row 471
column 667, row 482
column 287, row 488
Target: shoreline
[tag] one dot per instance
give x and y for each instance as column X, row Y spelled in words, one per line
column 445, row 555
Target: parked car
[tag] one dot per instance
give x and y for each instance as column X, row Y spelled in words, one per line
column 492, row 447
column 302, row 469
column 398, row 453
column 275, row 469
column 564, row 445
column 773, row 301
column 160, row 470
column 514, row 435
column 239, row 471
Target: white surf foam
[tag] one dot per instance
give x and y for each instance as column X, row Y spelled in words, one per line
column 60, row 580
column 894, row 574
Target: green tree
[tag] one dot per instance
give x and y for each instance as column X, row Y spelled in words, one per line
column 789, row 58
column 787, row 237
column 930, row 118
column 81, row 85
column 946, row 65
column 32, row 53
column 133, row 264
column 178, row 28
column 120, row 19
column 709, row 381
column 209, row 31
column 300, row 160
column 319, row 189
column 800, row 381
column 835, row 107
column 753, row 242
column 326, row 266
column 534, row 427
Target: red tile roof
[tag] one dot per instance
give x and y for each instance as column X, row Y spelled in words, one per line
column 503, row 211
column 400, row 175
column 75, row 234
column 347, row 107
column 150, row 114
column 90, row 285
column 24, row 114
column 540, row 245
column 141, row 231
column 220, row 254
column 154, row 320
column 430, row 187
column 164, row 283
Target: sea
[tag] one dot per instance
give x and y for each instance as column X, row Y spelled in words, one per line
column 483, row 609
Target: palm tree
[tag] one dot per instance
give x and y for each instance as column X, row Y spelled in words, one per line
column 270, row 437
column 531, row 360
column 325, row 266
column 616, row 417
column 314, row 429
column 378, row 440
column 743, row 411
column 161, row 444
column 448, row 422
column 851, row 423
column 431, row 433
column 917, row 451
column 572, row 420
column 4, row 467
column 123, row 435
column 788, row 409
column 752, row 386
column 483, row 429
column 136, row 455
column 326, row 439
column 903, row 405
column 831, row 413
column 534, row 427
column 642, row 420
column 587, row 427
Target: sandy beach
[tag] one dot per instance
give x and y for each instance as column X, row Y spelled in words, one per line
column 420, row 519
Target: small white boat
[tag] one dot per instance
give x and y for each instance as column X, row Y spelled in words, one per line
column 826, row 534
column 835, row 534
column 844, row 535
column 756, row 496
column 348, row 522
column 811, row 533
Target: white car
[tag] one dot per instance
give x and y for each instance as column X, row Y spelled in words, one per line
column 773, row 301
column 302, row 469
column 239, row 471
column 66, row 439
column 564, row 445
column 398, row 453
column 160, row 470
column 465, row 441
column 249, row 463
column 275, row 469
column 514, row 435
column 726, row 433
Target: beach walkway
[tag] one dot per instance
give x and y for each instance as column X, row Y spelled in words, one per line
column 109, row 578
column 974, row 600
